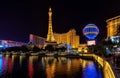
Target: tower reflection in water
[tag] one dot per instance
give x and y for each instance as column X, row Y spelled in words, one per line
column 47, row 67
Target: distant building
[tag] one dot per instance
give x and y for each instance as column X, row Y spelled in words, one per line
column 113, row 26
column 10, row 43
column 68, row 38
column 83, row 48
column 37, row 40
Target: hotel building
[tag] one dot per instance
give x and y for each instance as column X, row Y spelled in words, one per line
column 10, row 43
column 69, row 38
column 113, row 26
column 37, row 40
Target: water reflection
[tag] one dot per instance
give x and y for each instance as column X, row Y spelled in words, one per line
column 47, row 67
column 30, row 69
column 90, row 71
column 10, row 66
column 0, row 65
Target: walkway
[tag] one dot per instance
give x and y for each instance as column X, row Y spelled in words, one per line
column 108, row 68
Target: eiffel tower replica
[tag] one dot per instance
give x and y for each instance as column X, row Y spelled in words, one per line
column 50, row 36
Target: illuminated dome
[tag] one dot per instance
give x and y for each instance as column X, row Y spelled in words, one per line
column 91, row 31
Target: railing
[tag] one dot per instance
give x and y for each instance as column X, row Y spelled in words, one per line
column 107, row 70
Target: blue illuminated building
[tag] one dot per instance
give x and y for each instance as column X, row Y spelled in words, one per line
column 10, row 43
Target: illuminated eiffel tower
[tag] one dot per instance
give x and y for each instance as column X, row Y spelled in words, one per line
column 50, row 36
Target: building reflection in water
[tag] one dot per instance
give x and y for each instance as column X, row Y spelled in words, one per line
column 61, row 66
column 31, row 65
column 21, row 59
column 0, row 64
column 90, row 70
column 66, row 67
column 50, row 66
column 3, row 65
column 10, row 66
column 47, row 67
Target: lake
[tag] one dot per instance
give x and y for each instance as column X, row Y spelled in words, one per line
column 17, row 66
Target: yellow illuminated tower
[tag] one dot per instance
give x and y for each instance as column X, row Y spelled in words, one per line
column 50, row 36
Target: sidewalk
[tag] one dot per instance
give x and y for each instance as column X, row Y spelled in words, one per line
column 115, row 69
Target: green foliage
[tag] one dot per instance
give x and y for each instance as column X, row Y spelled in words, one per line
column 36, row 49
column 16, row 49
column 63, row 48
column 50, row 48
column 97, row 49
column 24, row 49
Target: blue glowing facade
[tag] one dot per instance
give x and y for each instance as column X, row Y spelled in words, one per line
column 9, row 43
column 91, row 31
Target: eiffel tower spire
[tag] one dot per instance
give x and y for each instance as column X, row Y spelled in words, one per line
column 50, row 36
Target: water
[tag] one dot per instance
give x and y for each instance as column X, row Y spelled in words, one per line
column 47, row 67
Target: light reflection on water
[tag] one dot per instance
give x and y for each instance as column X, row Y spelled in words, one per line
column 47, row 67
column 0, row 65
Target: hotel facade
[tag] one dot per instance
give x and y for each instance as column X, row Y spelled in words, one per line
column 68, row 38
column 113, row 26
column 10, row 43
column 37, row 40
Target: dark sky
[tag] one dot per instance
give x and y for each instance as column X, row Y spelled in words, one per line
column 20, row 18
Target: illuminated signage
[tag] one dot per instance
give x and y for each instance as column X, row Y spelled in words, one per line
column 91, row 42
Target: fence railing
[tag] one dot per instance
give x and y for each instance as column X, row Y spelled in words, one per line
column 107, row 70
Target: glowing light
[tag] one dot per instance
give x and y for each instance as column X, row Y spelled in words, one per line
column 90, row 69
column 10, row 65
column 31, row 69
column 1, row 46
column 108, row 72
column 112, row 26
column 50, row 36
column 0, row 55
column 91, row 31
column 85, row 51
column 91, row 42
column 0, row 66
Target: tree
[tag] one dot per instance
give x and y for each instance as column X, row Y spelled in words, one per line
column 91, row 48
column 108, row 43
column 62, row 48
column 36, row 49
column 24, row 48
column 49, row 48
column 16, row 49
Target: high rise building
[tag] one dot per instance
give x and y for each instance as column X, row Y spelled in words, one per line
column 113, row 26
column 37, row 40
column 68, row 38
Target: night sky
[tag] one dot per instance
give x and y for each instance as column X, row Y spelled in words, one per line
column 20, row 18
